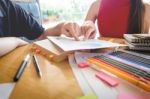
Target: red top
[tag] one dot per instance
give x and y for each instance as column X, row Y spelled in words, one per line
column 113, row 17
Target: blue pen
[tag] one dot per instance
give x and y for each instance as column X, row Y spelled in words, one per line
column 21, row 68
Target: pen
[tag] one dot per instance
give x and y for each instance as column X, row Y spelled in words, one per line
column 22, row 67
column 37, row 65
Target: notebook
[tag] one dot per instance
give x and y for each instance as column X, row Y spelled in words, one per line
column 141, row 47
column 137, row 38
column 138, row 41
column 69, row 44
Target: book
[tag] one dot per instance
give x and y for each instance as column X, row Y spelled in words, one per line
column 138, row 38
column 50, row 50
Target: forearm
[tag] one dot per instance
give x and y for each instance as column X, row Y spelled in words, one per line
column 93, row 11
column 53, row 31
column 7, row 44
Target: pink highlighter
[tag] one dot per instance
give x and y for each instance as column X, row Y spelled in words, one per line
column 107, row 79
column 83, row 65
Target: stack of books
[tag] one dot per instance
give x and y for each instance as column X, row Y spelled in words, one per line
column 138, row 41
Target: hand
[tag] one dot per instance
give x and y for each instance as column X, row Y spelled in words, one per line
column 71, row 29
column 88, row 29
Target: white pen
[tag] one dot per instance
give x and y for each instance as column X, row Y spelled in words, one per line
column 37, row 66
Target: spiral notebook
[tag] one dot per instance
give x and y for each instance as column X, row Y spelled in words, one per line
column 138, row 41
column 138, row 38
column 142, row 47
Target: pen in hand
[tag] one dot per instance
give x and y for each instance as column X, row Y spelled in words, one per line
column 22, row 67
column 37, row 66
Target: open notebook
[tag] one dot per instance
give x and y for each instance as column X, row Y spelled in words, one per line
column 69, row 44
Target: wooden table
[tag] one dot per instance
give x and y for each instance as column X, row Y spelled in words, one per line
column 58, row 81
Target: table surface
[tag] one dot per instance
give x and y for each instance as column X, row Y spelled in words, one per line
column 58, row 80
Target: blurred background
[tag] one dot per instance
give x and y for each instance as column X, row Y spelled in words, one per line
column 54, row 11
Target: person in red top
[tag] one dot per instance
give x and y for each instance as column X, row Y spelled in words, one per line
column 116, row 17
column 112, row 17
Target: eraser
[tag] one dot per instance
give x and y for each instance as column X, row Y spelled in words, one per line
column 44, row 54
column 107, row 79
column 37, row 51
column 34, row 48
column 83, row 65
column 50, row 56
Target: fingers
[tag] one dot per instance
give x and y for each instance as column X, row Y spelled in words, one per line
column 93, row 35
column 88, row 29
column 83, row 30
column 72, row 30
column 65, row 31
column 77, row 29
column 90, row 33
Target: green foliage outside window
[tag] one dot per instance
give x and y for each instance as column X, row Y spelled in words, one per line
column 65, row 9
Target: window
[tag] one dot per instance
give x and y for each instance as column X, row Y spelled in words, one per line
column 64, row 10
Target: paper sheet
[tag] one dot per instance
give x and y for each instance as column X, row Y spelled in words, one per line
column 68, row 44
column 5, row 90
column 79, row 76
column 100, row 89
column 82, row 56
